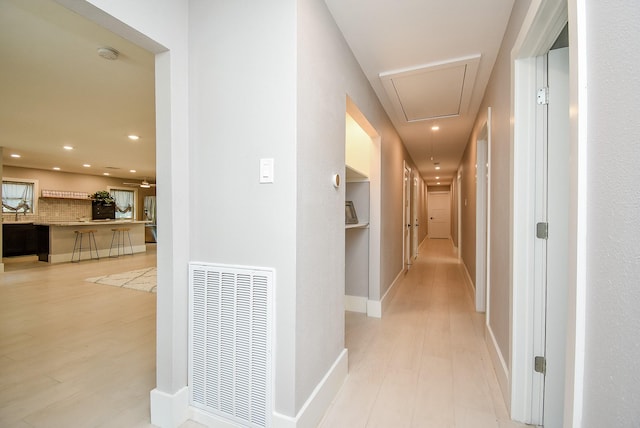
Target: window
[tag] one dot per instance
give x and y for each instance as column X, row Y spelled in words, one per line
column 18, row 196
column 125, row 203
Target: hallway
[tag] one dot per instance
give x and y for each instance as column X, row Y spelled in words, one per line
column 425, row 363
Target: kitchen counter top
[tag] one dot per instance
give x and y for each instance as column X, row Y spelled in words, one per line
column 89, row 223
column 18, row 222
column 62, row 238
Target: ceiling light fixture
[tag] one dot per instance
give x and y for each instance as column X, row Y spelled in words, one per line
column 67, row 147
column 15, row 155
column 134, row 137
column 438, row 167
column 56, row 168
column 108, row 53
column 437, row 178
column 438, row 183
column 435, row 127
column 105, row 173
column 132, row 171
column 86, row 165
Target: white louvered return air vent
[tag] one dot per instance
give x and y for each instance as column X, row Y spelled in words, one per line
column 230, row 342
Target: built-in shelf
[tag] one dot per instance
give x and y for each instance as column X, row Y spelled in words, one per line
column 65, row 194
column 357, row 190
column 357, row 226
column 355, row 175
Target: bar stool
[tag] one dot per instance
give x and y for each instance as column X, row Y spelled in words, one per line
column 118, row 236
column 91, row 237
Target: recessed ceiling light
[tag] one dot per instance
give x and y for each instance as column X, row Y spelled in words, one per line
column 105, row 173
column 15, row 155
column 132, row 170
column 438, row 182
column 437, row 178
column 67, row 147
column 435, row 127
column 134, row 137
column 437, row 167
column 86, row 165
column 56, row 168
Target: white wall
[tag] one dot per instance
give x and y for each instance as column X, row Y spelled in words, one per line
column 612, row 334
column 498, row 97
column 242, row 64
column 161, row 27
column 237, row 83
column 327, row 74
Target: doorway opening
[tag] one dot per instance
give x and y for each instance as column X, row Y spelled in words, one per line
column 362, row 192
column 536, row 159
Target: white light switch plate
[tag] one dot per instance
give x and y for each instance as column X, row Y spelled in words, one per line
column 266, row 170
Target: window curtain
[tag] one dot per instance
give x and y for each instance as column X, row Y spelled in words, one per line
column 17, row 197
column 150, row 208
column 124, row 203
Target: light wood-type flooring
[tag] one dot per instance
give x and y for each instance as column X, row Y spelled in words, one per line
column 78, row 354
column 74, row 353
column 425, row 363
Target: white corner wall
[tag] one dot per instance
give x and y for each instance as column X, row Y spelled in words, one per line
column 163, row 32
column 242, row 108
column 327, row 75
column 498, row 97
column 612, row 337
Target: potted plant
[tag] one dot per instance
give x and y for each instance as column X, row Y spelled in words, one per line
column 103, row 206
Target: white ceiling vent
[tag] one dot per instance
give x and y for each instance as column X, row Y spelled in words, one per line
column 432, row 91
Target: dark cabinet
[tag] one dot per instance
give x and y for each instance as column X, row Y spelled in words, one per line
column 19, row 239
column 103, row 212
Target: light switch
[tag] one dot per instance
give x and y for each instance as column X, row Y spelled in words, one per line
column 266, row 170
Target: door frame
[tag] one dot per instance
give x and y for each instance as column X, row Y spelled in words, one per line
column 482, row 215
column 543, row 23
column 406, row 217
column 459, row 209
column 415, row 225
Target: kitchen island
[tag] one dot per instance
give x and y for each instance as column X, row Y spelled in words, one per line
column 62, row 238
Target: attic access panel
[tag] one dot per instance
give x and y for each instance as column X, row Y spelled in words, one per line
column 432, row 91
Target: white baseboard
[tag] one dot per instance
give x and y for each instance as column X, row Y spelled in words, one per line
column 320, row 399
column 355, row 304
column 311, row 412
column 470, row 287
column 169, row 410
column 375, row 308
column 499, row 366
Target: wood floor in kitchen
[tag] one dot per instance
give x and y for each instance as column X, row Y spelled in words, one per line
column 76, row 354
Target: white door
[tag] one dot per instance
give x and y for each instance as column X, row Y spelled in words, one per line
column 414, row 217
column 439, row 213
column 558, row 198
column 407, row 218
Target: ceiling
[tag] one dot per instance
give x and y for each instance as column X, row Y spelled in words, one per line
column 428, row 61
column 56, row 90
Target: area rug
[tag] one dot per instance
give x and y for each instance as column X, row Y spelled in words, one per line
column 141, row 279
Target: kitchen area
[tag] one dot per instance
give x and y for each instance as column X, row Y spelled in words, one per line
column 49, row 212
column 72, row 128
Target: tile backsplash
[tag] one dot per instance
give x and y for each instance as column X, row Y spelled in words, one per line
column 52, row 209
